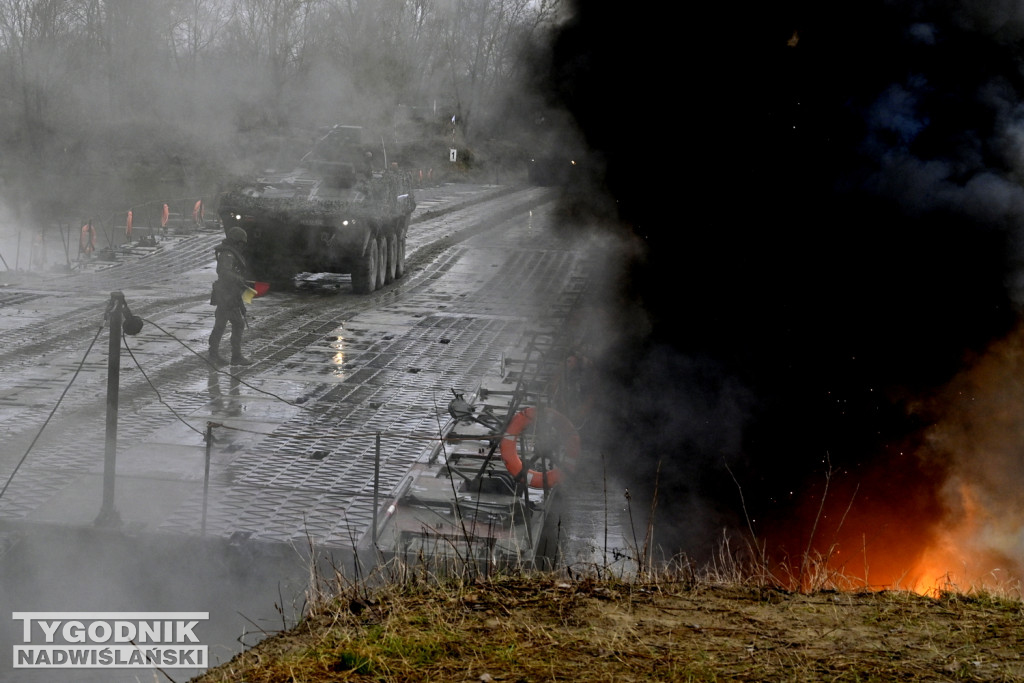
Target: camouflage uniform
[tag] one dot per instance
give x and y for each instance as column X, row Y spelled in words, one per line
column 227, row 297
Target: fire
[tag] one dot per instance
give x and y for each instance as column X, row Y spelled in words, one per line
column 944, row 513
column 978, row 434
column 949, row 562
column 909, row 544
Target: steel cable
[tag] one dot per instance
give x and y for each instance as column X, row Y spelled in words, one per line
column 224, row 372
column 28, row 450
column 157, row 391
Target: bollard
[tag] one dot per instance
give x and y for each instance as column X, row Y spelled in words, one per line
column 121, row 320
column 206, row 474
column 108, row 515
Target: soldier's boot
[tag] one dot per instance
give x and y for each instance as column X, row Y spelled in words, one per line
column 236, row 355
column 215, row 357
column 215, row 337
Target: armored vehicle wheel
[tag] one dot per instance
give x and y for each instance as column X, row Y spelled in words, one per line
column 382, row 260
column 364, row 277
column 400, row 257
column 391, row 259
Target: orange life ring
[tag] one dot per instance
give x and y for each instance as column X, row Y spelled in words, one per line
column 569, row 443
column 87, row 243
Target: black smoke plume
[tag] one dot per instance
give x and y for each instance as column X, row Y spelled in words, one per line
column 828, row 203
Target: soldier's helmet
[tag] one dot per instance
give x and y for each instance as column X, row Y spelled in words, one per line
column 237, row 234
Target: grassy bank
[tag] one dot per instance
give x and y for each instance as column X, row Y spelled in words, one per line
column 673, row 627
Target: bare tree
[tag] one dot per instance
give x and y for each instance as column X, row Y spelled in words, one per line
column 34, row 34
column 73, row 73
column 195, row 28
column 481, row 39
column 268, row 39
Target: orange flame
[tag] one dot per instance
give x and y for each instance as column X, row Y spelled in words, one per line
column 946, row 513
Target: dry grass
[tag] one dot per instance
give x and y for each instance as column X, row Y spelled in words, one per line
column 735, row 619
column 677, row 625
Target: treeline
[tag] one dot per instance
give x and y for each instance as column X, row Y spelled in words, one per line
column 168, row 89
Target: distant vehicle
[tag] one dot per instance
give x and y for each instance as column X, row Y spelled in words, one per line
column 335, row 213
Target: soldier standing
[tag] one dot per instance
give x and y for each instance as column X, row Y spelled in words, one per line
column 227, row 297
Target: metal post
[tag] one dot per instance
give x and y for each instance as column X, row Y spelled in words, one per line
column 108, row 514
column 206, row 474
column 376, row 489
column 66, row 243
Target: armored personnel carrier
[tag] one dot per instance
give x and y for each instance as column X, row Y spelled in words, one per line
column 335, row 213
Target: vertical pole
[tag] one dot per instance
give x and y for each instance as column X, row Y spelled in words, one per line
column 206, row 473
column 376, row 489
column 604, row 478
column 108, row 514
column 66, row 243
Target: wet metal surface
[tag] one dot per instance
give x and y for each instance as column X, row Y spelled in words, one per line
column 292, row 461
column 294, row 457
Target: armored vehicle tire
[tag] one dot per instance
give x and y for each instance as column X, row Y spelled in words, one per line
column 399, row 257
column 364, row 277
column 382, row 260
column 391, row 259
